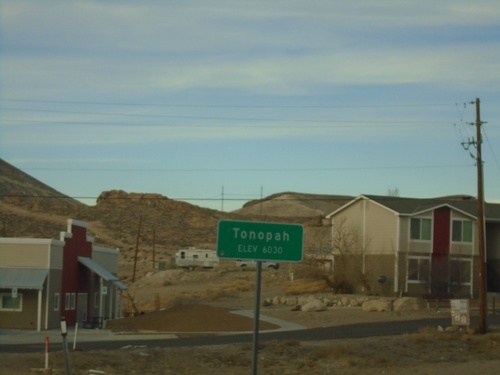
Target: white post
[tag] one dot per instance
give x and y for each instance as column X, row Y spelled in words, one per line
column 74, row 337
column 100, row 299
column 111, row 290
column 46, row 352
column 39, row 311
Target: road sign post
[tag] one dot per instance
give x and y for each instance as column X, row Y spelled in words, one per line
column 260, row 242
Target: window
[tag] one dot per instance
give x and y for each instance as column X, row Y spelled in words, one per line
column 57, row 301
column 96, row 299
column 70, row 301
column 418, row 269
column 67, row 301
column 73, row 301
column 420, row 229
column 9, row 303
column 461, row 231
column 460, row 271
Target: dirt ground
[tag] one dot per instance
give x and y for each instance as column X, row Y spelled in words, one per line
column 202, row 302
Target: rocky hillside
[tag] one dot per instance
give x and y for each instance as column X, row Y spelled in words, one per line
column 29, row 208
column 289, row 204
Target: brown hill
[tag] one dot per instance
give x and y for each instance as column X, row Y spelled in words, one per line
column 20, row 189
column 30, row 208
column 290, row 204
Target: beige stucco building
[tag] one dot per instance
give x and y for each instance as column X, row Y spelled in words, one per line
column 43, row 280
column 409, row 246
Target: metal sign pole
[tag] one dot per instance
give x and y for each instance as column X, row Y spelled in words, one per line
column 64, row 334
column 256, row 318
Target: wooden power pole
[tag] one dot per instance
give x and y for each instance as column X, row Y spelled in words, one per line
column 137, row 247
column 481, row 225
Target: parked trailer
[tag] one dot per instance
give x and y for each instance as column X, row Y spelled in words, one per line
column 192, row 257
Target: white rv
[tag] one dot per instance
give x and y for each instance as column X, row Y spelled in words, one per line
column 192, row 257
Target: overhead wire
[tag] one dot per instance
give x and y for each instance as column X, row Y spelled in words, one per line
column 491, row 148
column 305, row 169
column 333, row 123
column 210, row 117
column 227, row 105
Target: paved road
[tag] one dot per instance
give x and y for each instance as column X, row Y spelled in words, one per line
column 108, row 341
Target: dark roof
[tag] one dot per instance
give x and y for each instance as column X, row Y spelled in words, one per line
column 411, row 206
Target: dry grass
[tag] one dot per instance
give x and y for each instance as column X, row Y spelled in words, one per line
column 305, row 286
column 227, row 290
column 390, row 355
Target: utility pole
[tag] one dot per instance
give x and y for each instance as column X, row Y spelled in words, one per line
column 481, row 233
column 154, row 248
column 137, row 247
column 480, row 224
column 222, row 200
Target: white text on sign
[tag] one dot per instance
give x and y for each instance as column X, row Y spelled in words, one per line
column 267, row 236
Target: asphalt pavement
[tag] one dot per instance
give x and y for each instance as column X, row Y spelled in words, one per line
column 22, row 341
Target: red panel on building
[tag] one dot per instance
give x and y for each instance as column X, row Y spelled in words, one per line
column 440, row 251
column 441, row 238
column 75, row 276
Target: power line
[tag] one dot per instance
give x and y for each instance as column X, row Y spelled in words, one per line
column 180, row 105
column 491, row 149
column 192, row 117
column 156, row 170
column 333, row 124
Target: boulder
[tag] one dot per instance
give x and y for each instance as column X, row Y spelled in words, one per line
column 314, row 305
column 377, row 305
column 345, row 301
column 407, row 304
column 302, row 300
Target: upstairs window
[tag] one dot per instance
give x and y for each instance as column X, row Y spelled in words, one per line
column 461, row 231
column 420, row 229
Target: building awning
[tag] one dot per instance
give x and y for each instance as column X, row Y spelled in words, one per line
column 102, row 272
column 22, row 278
column 97, row 268
column 120, row 285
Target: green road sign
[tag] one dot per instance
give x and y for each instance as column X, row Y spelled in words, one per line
column 260, row 241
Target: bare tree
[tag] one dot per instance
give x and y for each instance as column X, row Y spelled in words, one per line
column 459, row 274
column 348, row 249
column 318, row 259
column 393, row 192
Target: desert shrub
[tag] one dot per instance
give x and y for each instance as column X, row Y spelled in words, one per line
column 339, row 285
column 309, row 269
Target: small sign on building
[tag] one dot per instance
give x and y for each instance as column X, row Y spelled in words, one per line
column 460, row 314
column 14, row 292
column 104, row 290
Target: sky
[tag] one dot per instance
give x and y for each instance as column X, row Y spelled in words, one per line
column 224, row 101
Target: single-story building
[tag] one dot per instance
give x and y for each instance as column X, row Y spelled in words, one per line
column 409, row 246
column 45, row 280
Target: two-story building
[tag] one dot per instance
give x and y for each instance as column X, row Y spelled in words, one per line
column 410, row 246
column 43, row 280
